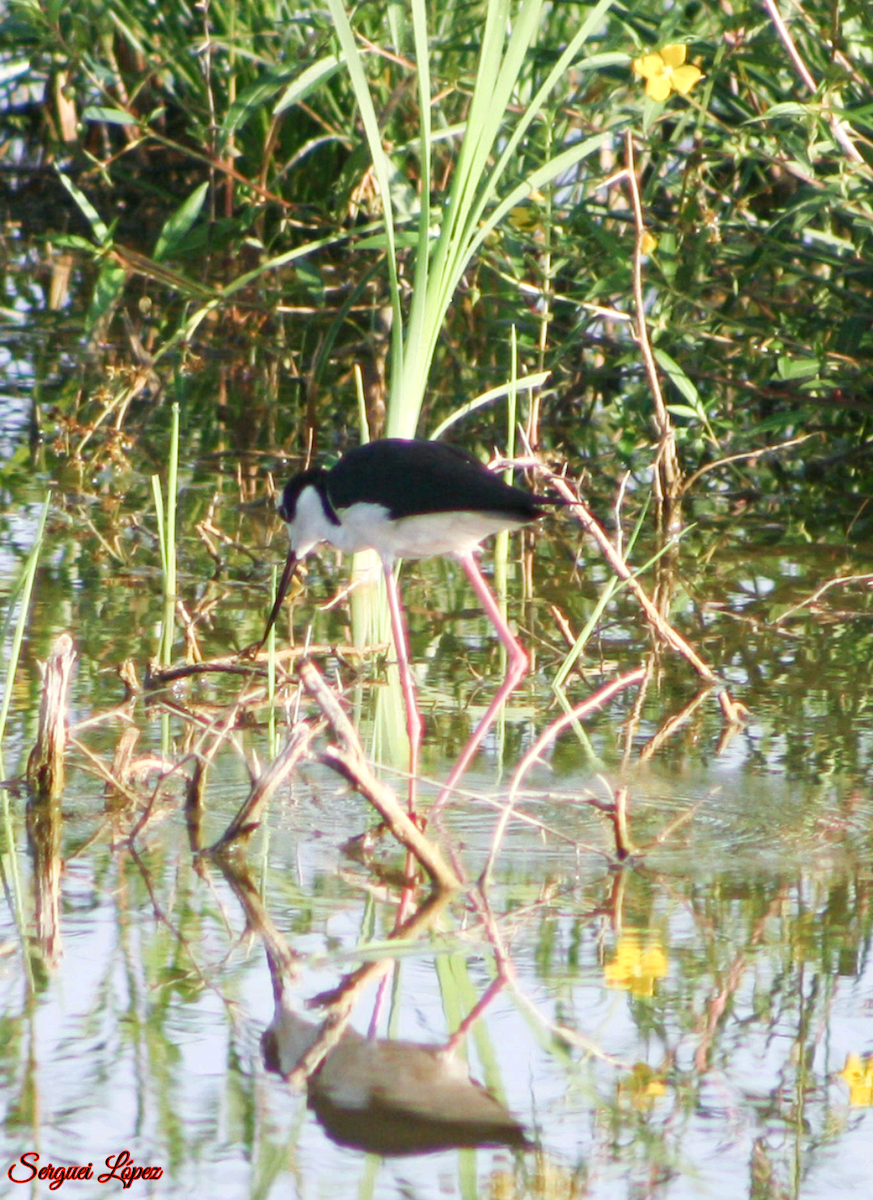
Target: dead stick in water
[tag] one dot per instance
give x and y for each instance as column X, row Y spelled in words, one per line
column 734, row 711
column 349, row 759
column 45, row 766
column 247, row 819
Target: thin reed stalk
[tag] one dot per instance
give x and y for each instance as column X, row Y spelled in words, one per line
column 8, row 856
column 25, row 590
column 166, row 520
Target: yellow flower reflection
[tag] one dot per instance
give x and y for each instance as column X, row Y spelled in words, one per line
column 548, row 1180
column 636, row 966
column 643, row 1087
column 666, row 71
column 858, row 1074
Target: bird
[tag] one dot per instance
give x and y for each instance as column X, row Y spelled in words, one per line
column 411, row 498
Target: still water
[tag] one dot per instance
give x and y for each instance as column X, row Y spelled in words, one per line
column 695, row 1021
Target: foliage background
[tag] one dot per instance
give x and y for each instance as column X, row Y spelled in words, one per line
column 224, row 227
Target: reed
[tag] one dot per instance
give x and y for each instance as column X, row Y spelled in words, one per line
column 165, row 515
column 272, row 741
column 21, row 594
column 485, row 179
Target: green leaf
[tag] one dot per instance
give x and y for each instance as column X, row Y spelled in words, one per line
column 177, row 227
column 109, row 286
column 796, row 368
column 311, row 279
column 678, row 377
column 611, row 58
column 684, row 410
column 251, row 100
column 72, row 241
column 686, row 388
column 789, row 108
column 90, row 213
column 652, row 110
column 307, row 81
column 111, row 116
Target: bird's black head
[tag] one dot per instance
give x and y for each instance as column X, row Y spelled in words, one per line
column 287, row 506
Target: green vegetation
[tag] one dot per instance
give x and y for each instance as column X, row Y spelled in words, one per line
column 269, row 195
column 22, row 595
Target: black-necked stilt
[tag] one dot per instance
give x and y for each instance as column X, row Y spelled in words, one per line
column 411, row 499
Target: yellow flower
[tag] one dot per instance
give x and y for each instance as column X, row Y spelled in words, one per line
column 858, row 1074
column 635, row 966
column 528, row 218
column 666, row 72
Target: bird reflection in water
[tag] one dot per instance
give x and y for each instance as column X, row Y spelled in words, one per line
column 391, row 1097
column 374, row 1094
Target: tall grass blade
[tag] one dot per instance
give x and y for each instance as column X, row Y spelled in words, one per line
column 8, row 858
column 475, row 185
column 25, row 590
column 527, row 382
column 382, row 165
column 165, row 514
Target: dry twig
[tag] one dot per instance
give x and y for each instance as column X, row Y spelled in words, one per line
column 734, row 711
column 349, row 759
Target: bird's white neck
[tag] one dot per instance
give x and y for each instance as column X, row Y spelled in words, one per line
column 311, row 523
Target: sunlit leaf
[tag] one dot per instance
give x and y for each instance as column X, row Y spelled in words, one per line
column 111, row 116
column 788, row 108
column 796, row 368
column 89, row 212
column 251, row 101
column 178, row 225
column 109, row 286
column 307, row 81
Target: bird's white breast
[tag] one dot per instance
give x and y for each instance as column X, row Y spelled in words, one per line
column 365, row 526
column 421, row 536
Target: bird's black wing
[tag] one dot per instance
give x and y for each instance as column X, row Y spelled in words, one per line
column 412, row 477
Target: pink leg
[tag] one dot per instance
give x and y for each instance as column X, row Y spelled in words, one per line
column 517, row 668
column 401, row 646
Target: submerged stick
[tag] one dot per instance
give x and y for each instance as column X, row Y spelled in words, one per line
column 596, row 700
column 45, row 767
column 349, row 759
column 248, row 818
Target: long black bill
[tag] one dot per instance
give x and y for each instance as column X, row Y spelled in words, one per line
column 290, row 564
